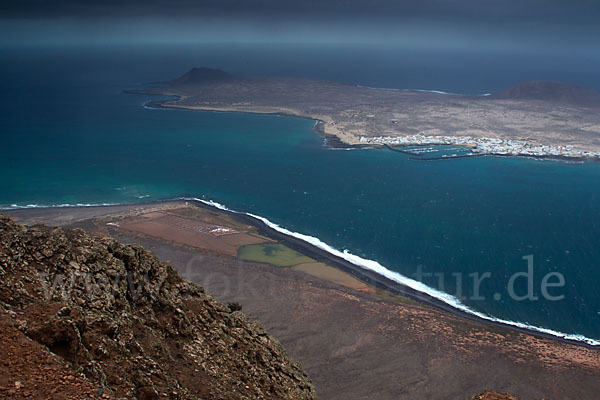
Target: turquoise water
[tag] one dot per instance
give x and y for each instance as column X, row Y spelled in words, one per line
column 71, row 136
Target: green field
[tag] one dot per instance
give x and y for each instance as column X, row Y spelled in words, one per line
column 272, row 253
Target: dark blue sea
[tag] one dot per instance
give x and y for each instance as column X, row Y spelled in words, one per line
column 70, row 135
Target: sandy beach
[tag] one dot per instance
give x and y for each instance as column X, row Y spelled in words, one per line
column 356, row 335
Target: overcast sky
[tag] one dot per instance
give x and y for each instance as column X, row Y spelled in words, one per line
column 531, row 25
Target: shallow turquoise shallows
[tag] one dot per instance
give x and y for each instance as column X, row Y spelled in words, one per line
column 71, row 136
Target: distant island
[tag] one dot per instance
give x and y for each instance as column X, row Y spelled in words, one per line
column 537, row 118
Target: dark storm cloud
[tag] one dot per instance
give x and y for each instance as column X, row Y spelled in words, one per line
column 497, row 11
column 494, row 24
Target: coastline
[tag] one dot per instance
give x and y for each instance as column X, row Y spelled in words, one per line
column 374, row 279
column 336, row 138
column 352, row 342
column 368, row 276
column 333, row 139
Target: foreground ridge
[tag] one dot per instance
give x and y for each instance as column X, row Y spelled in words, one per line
column 87, row 316
column 490, row 395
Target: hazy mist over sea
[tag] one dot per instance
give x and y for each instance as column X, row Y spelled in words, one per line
column 465, row 47
column 466, row 72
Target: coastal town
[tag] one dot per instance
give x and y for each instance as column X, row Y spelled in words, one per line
column 533, row 119
column 486, row 145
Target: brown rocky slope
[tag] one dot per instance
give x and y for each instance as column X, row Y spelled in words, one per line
column 84, row 316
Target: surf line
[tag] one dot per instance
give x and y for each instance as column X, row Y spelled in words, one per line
column 373, row 272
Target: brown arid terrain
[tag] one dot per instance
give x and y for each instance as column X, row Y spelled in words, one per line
column 537, row 112
column 488, row 395
column 87, row 317
column 354, row 341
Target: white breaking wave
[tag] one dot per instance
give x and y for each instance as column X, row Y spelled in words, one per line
column 17, row 207
column 421, row 90
column 430, row 91
column 401, row 279
column 365, row 264
column 409, row 90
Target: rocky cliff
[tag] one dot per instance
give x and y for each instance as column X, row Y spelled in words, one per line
column 84, row 316
column 489, row 395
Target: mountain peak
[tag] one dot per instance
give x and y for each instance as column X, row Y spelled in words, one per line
column 551, row 91
column 201, row 75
